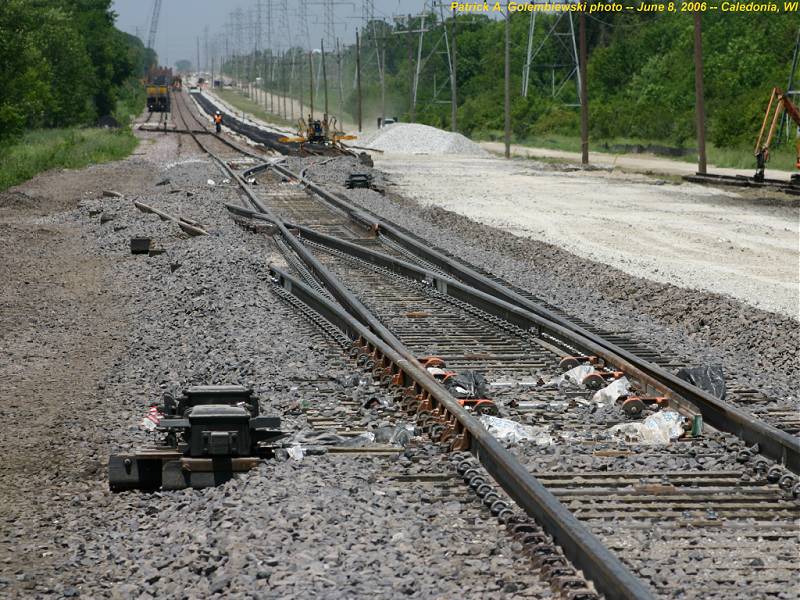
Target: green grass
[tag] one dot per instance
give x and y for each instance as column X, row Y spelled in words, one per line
column 39, row 150
column 783, row 157
column 249, row 107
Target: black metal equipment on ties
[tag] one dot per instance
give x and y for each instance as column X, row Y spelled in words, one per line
column 358, row 180
column 209, row 434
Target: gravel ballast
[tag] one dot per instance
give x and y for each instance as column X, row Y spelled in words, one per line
column 757, row 348
column 95, row 334
column 415, row 138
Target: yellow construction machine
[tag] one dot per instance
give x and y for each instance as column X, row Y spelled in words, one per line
column 778, row 102
column 320, row 131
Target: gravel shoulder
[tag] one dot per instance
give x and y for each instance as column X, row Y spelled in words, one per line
column 687, row 235
column 92, row 334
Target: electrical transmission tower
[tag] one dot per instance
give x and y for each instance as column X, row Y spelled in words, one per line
column 151, row 38
column 302, row 18
column 553, row 51
column 329, row 21
column 285, row 39
column 404, row 26
column 330, row 25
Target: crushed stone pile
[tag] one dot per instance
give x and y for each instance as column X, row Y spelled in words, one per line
column 414, row 138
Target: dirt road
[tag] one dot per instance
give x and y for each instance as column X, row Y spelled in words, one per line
column 640, row 163
column 688, row 235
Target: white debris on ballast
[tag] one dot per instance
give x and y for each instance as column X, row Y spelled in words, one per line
column 414, row 138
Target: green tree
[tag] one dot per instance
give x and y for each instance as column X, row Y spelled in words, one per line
column 70, row 89
column 183, row 66
column 63, row 63
column 24, row 70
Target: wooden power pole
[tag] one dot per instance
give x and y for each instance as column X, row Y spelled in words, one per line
column 358, row 80
column 700, row 111
column 507, row 91
column 301, row 86
column 410, row 49
column 311, row 84
column 583, row 90
column 324, row 76
column 453, row 79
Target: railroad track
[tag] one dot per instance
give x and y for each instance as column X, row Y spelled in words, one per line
column 629, row 496
column 332, row 214
column 791, row 187
column 739, row 511
column 222, row 149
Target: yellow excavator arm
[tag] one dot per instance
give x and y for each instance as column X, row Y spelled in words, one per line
column 778, row 102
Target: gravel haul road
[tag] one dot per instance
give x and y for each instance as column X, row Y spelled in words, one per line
column 687, row 235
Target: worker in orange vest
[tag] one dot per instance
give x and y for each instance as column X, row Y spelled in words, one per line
column 218, row 121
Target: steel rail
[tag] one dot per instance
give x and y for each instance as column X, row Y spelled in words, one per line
column 789, row 186
column 600, row 565
column 772, row 442
column 205, row 131
column 719, row 414
column 261, row 136
column 597, row 562
column 580, row 546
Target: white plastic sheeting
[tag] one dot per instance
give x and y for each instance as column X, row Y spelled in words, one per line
column 512, row 432
column 571, row 378
column 613, row 391
column 658, row 429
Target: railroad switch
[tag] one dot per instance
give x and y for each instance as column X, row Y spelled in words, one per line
column 209, row 434
column 472, row 400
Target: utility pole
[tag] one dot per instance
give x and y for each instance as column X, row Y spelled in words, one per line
column 300, row 78
column 584, row 92
column 507, row 103
column 285, row 86
column 453, row 79
column 526, row 68
column 271, row 83
column 382, row 63
column 358, row 79
column 324, row 76
column 311, row 84
column 417, row 69
column 410, row 53
column 198, row 53
column 291, row 87
column 205, row 44
column 339, row 76
column 368, row 15
column 700, row 111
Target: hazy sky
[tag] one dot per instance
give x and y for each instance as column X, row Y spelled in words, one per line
column 183, row 20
